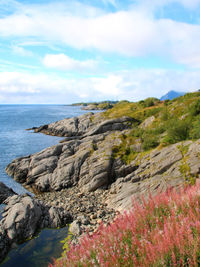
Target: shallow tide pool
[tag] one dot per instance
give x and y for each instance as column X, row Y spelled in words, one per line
column 39, row 251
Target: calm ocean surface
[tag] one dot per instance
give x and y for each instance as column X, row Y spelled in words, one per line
column 16, row 142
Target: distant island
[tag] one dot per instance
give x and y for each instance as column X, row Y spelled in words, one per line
column 108, row 104
column 171, row 95
column 103, row 105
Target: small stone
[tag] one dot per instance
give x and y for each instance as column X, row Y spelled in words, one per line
column 75, row 228
column 94, row 216
column 99, row 221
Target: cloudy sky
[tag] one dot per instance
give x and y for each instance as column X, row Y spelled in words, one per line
column 61, row 52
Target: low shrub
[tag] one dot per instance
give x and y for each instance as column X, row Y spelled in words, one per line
column 195, row 108
column 148, row 102
column 178, row 130
column 149, row 142
column 163, row 231
column 165, row 115
column 195, row 130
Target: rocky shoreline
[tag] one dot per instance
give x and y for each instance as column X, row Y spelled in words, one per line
column 81, row 175
column 89, row 210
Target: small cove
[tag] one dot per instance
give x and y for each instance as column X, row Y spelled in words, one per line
column 37, row 252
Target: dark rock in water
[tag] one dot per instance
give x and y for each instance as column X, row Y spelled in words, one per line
column 5, row 192
column 23, row 217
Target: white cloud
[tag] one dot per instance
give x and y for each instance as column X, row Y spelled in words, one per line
column 134, row 32
column 64, row 62
column 19, row 50
column 109, row 86
column 133, row 85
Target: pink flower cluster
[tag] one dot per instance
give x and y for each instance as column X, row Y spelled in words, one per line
column 163, row 231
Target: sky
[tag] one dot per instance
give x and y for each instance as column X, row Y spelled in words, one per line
column 64, row 51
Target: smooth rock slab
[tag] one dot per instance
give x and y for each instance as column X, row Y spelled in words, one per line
column 155, row 172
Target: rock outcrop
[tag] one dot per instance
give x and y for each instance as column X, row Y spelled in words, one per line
column 69, row 163
column 5, row 192
column 75, row 126
column 156, row 171
column 87, row 163
column 23, row 217
column 85, row 125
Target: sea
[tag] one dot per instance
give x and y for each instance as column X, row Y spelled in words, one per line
column 16, row 141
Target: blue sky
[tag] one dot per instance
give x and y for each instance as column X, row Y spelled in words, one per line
column 60, row 52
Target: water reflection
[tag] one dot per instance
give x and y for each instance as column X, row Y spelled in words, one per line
column 39, row 251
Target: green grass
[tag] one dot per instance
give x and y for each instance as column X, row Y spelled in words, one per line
column 176, row 120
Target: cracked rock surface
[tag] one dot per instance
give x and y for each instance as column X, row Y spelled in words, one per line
column 86, row 161
column 23, row 217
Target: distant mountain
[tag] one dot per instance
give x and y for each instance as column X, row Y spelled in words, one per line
column 171, row 95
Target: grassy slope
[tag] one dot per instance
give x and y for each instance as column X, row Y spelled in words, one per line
column 175, row 121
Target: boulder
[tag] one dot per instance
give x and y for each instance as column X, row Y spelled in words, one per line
column 148, row 122
column 23, row 217
column 75, row 228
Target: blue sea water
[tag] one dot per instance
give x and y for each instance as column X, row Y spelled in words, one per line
column 15, row 141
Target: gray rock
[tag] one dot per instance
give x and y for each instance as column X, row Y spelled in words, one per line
column 155, row 172
column 68, row 164
column 75, row 228
column 68, row 127
column 83, row 220
column 148, row 122
column 23, row 217
column 5, row 192
column 118, row 124
column 85, row 125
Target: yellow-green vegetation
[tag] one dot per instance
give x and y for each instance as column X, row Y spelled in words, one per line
column 124, row 150
column 173, row 121
column 66, row 242
column 184, row 168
